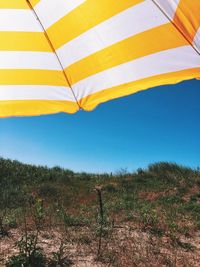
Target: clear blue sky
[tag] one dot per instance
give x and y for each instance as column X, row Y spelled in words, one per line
column 160, row 124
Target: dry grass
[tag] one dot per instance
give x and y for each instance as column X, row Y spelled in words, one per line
column 124, row 246
column 150, row 218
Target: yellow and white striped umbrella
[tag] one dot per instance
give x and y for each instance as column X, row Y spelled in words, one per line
column 63, row 55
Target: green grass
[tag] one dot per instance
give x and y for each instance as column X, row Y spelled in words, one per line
column 159, row 197
column 161, row 201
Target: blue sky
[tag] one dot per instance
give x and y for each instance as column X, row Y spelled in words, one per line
column 160, row 124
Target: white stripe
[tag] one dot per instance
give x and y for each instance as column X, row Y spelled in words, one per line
column 50, row 11
column 169, row 7
column 28, row 60
column 35, row 92
column 196, row 40
column 20, row 20
column 163, row 62
column 116, row 29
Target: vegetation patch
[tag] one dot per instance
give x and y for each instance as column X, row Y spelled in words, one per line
column 56, row 217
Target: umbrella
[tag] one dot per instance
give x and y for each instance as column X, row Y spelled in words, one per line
column 66, row 55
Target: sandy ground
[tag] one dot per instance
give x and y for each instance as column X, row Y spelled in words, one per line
column 130, row 246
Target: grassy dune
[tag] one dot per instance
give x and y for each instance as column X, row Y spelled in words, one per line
column 54, row 217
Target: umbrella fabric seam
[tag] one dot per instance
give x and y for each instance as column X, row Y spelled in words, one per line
column 53, row 50
column 165, row 14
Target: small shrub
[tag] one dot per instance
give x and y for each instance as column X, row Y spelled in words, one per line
column 84, row 239
column 48, row 191
column 12, row 223
column 195, row 197
column 110, row 188
column 20, row 260
column 30, row 255
column 192, row 207
column 60, row 259
column 150, row 220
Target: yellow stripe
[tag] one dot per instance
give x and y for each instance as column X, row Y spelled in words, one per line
column 32, row 77
column 24, row 41
column 90, row 102
column 137, row 46
column 35, row 107
column 34, row 2
column 84, row 17
column 187, row 18
column 15, row 4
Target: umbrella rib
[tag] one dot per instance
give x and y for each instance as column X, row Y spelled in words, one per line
column 165, row 14
column 53, row 49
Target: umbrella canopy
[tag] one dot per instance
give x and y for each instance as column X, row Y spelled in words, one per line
column 63, row 55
